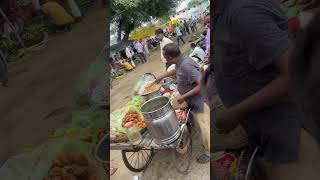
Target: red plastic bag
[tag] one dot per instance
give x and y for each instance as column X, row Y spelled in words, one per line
column 228, row 162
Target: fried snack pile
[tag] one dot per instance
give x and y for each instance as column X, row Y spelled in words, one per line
column 151, row 88
column 71, row 166
column 135, row 118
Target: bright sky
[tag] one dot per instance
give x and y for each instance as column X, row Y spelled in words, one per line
column 183, row 5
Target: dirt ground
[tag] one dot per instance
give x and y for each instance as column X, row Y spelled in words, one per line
column 45, row 83
column 162, row 166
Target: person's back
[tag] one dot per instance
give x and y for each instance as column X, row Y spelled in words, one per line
column 127, row 66
column 178, row 32
column 138, row 46
column 200, row 52
column 251, row 66
column 57, row 12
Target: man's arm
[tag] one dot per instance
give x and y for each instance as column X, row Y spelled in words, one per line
column 268, row 44
column 272, row 93
column 195, row 91
column 168, row 74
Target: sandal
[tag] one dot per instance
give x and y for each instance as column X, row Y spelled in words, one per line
column 203, row 158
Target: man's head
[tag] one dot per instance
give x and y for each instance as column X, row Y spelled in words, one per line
column 159, row 34
column 171, row 52
column 193, row 45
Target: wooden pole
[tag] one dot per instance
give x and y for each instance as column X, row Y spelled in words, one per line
column 13, row 28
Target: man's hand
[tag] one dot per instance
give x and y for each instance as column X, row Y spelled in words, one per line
column 230, row 119
column 180, row 99
column 158, row 80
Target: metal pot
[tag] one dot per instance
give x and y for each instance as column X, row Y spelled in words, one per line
column 151, row 95
column 161, row 120
column 166, row 83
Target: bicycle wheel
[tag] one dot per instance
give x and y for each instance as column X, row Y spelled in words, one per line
column 137, row 160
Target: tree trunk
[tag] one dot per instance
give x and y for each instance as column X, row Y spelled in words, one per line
column 126, row 37
column 119, row 30
column 128, row 30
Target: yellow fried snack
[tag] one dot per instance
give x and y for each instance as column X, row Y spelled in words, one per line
column 151, row 88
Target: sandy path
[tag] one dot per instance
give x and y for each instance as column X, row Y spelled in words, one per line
column 45, row 82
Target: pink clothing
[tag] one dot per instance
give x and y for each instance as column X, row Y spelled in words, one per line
column 139, row 47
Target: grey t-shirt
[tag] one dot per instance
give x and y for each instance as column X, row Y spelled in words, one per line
column 248, row 36
column 188, row 72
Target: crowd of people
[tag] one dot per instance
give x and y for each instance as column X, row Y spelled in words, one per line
column 139, row 50
column 54, row 11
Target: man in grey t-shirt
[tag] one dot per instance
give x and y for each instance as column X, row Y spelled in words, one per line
column 252, row 49
column 188, row 80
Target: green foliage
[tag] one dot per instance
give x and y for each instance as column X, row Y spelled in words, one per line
column 129, row 14
column 164, row 19
column 9, row 49
column 33, row 34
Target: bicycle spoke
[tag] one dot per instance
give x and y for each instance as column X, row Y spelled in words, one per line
column 138, row 159
column 131, row 155
column 147, row 153
column 135, row 163
column 143, row 156
column 132, row 158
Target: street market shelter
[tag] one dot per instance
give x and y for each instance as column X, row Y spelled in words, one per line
column 120, row 46
column 145, row 32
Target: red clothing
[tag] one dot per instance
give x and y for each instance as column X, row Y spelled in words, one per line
column 294, row 24
column 115, row 65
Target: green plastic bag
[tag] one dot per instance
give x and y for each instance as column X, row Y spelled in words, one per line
column 116, row 117
column 137, row 86
column 292, row 12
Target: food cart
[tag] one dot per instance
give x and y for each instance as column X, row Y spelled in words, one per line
column 137, row 157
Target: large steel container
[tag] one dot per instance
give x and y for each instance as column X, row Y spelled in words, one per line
column 161, row 120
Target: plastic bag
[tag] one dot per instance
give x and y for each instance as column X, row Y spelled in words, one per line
column 85, row 124
column 116, row 121
column 137, row 86
column 136, row 101
column 147, row 77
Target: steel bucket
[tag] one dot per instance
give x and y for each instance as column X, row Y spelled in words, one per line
column 161, row 120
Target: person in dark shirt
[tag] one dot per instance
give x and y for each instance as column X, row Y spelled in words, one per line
column 252, row 50
column 186, row 26
column 189, row 87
